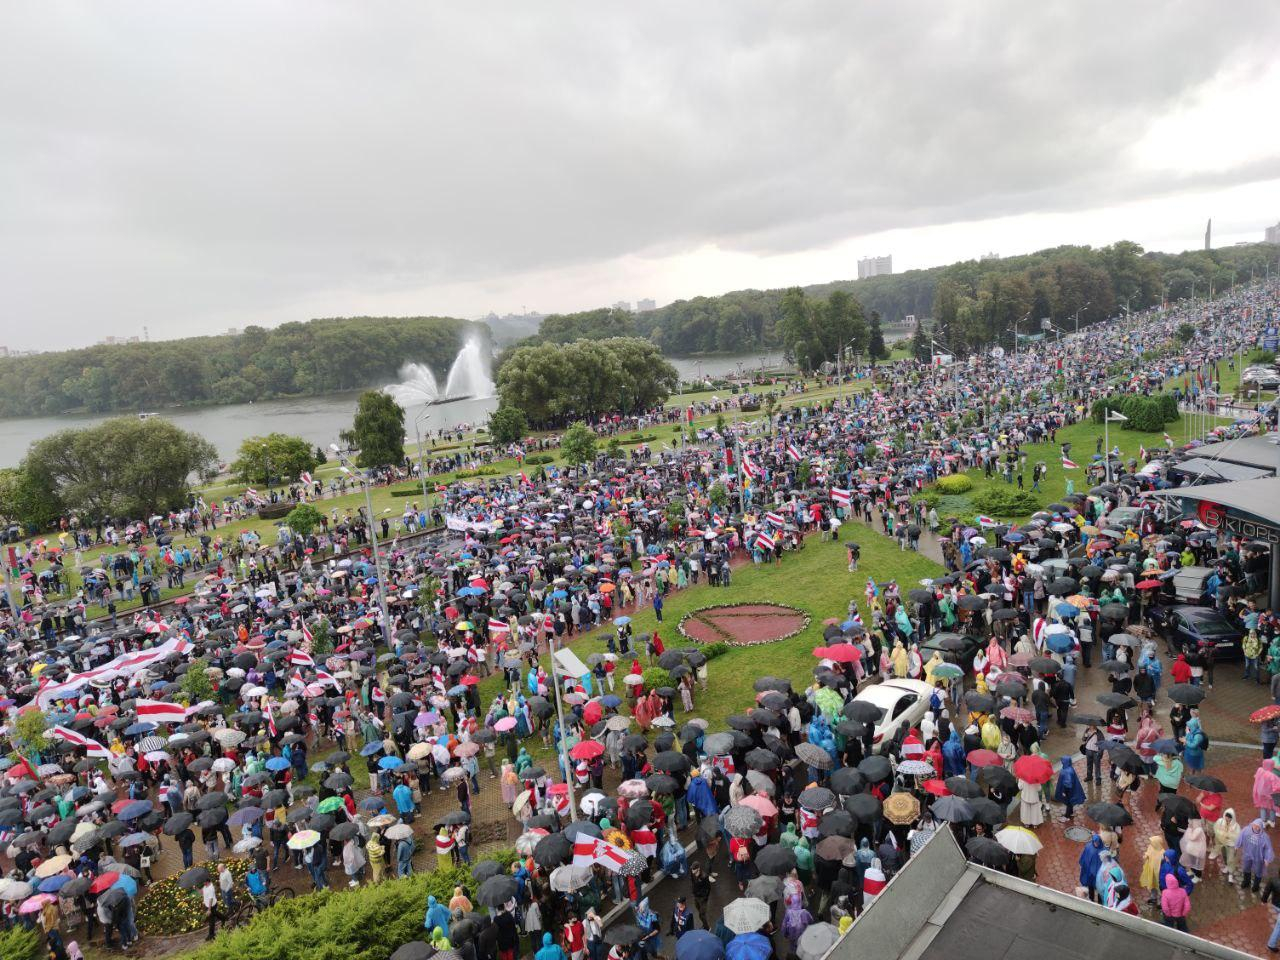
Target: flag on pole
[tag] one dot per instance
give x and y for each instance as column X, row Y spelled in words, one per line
column 1142, row 452
column 300, row 658
column 840, row 496
column 161, row 711
column 794, row 452
column 271, row 720
column 306, row 478
column 325, row 677
column 90, row 746
column 985, row 521
column 749, row 467
column 589, row 851
column 307, row 639
column 775, row 518
column 764, row 541
column 499, row 628
column 1068, row 464
column 1168, row 440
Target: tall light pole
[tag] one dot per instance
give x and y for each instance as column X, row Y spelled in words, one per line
column 1109, row 415
column 1080, row 311
column 266, row 467
column 840, row 370
column 349, row 469
column 422, row 470
column 564, row 752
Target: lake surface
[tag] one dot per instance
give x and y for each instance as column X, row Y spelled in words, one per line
column 316, row 419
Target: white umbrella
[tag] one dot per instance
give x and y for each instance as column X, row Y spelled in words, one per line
column 746, row 915
column 590, row 804
column 568, row 878
column 1019, row 840
column 816, row 941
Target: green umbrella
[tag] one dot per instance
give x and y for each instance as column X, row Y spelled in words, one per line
column 829, row 702
column 329, row 805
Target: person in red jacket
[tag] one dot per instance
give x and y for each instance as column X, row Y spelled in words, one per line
column 1181, row 670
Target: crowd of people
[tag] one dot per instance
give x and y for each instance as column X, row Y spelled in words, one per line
column 244, row 706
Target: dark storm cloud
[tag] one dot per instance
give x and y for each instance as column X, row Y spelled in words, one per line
column 181, row 164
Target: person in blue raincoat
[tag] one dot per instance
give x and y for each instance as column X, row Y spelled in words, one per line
column 437, row 916
column 1193, row 744
column 1090, row 862
column 550, row 950
column 673, row 858
column 820, row 734
column 748, row 946
column 1069, row 791
column 700, row 797
column 953, row 755
column 1170, row 866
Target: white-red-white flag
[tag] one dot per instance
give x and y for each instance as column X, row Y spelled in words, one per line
column 588, row 851
column 161, row 711
column 92, row 747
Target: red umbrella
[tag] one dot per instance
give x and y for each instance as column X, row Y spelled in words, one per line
column 984, row 758
column 586, row 749
column 1018, row 714
column 937, row 787
column 843, row 653
column 1149, row 584
column 1270, row 712
column 103, row 881
column 1033, row 769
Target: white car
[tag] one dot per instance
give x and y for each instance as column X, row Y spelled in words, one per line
column 902, row 702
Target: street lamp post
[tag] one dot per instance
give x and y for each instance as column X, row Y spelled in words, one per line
column 266, row 467
column 349, row 469
column 1080, row 311
column 422, row 470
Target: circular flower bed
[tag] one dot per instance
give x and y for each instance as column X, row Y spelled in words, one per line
column 165, row 909
column 743, row 624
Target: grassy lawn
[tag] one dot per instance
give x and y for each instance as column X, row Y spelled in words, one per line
column 815, row 580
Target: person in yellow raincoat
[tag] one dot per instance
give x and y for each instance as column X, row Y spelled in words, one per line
column 901, row 662
column 376, row 855
column 934, row 662
column 991, row 734
column 1149, row 879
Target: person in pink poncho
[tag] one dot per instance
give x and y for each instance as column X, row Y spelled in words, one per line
column 1265, row 785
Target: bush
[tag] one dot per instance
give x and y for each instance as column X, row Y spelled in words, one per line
column 537, row 459
column 303, row 519
column 713, row 650
column 656, row 677
column 954, row 484
column 1006, row 502
column 478, row 472
column 367, row 923
column 507, row 424
column 20, row 943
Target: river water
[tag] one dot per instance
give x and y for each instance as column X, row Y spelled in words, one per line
column 316, row 419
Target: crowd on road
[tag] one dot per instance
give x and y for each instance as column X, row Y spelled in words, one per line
column 246, row 705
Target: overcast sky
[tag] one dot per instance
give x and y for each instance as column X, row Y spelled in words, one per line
column 193, row 167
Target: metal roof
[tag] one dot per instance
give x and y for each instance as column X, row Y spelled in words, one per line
column 1261, row 496
column 1251, row 451
column 1218, row 469
column 941, row 907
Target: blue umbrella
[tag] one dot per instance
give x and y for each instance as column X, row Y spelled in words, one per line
column 699, row 945
column 390, row 763
column 372, row 804
column 139, row 728
column 558, row 594
column 244, row 816
column 1066, row 611
column 1060, row 642
column 456, row 691
column 610, row 702
column 1168, row 746
column 53, row 884
column 127, row 884
column 277, row 763
column 139, row 808
column 369, row 749
column 470, row 592
column 622, row 621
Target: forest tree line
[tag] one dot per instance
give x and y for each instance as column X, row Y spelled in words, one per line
column 293, row 359
column 976, row 302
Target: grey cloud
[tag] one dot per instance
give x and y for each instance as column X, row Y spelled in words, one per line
column 185, row 164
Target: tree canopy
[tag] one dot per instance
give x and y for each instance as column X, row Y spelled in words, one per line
column 378, row 430
column 578, row 445
column 275, row 458
column 293, row 359
column 555, row 383
column 121, row 467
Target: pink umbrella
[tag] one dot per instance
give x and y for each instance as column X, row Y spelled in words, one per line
column 633, row 789
column 505, row 724
column 36, row 904
column 760, row 804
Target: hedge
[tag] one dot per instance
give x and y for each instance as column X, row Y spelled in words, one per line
column 1148, row 414
column 1006, row 502
column 367, row 923
column 656, row 677
column 954, row 484
column 20, row 943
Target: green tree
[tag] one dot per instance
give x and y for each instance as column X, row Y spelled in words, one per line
column 28, row 731
column 507, row 424
column 303, row 519
column 120, row 467
column 20, row 943
column 718, row 495
column 578, row 445
column 195, row 683
column 322, row 634
column 277, row 456
column 24, row 501
column 920, row 347
column 1184, row 333
column 378, row 430
column 876, row 349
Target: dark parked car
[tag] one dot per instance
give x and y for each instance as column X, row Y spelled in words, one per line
column 958, row 648
column 1186, row 627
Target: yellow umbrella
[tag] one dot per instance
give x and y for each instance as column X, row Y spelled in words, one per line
column 1019, row 840
column 52, row 866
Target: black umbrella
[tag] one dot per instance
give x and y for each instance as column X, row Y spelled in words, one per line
column 1108, row 814
column 552, row 851
column 485, row 869
column 775, row 860
column 963, row 787
column 1186, row 694
column 862, row 711
column 997, row 778
column 760, row 759
column 952, row 809
column 1116, row 701
column 497, row 890
column 1176, row 805
column 982, row 702
column 194, row 879
column 848, row 780
column 838, row 823
column 1202, row 781
column 623, row 934
column 989, row 853
column 875, row 768
column 985, row 810
column 414, row 950
column 661, row 783
column 670, row 761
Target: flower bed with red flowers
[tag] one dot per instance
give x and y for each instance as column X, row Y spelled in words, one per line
column 743, row 624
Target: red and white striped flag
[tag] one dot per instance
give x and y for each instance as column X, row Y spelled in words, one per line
column 588, row 851
column 764, row 541
column 840, row 496
column 1069, row 464
column 324, row 676
column 749, row 467
column 794, row 452
column 271, row 720
column 985, row 521
column 498, row 628
column 307, row 639
column 300, row 659
column 161, row 711
column 92, row 747
column 306, row 478
column 775, row 518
